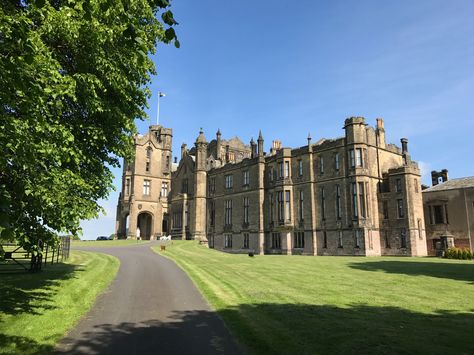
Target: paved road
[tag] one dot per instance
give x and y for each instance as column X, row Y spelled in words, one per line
column 151, row 307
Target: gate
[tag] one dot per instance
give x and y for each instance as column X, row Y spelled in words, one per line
column 16, row 259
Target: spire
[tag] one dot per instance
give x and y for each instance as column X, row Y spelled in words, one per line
column 260, row 144
column 218, row 133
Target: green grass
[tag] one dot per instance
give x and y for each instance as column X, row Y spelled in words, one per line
column 294, row 304
column 36, row 310
column 108, row 243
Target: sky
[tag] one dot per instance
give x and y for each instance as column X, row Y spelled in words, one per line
column 296, row 67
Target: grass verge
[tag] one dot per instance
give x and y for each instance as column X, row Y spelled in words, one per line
column 108, row 243
column 293, row 304
column 36, row 310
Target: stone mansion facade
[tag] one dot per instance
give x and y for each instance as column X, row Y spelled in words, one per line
column 353, row 195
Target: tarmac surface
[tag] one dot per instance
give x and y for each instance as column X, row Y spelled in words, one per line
column 152, row 307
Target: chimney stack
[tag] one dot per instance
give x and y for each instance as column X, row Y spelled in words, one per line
column 404, row 142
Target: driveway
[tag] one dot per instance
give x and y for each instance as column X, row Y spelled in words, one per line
column 151, row 307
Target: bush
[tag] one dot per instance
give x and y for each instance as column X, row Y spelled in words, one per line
column 458, row 253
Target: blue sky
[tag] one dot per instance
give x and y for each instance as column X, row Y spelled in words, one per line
column 293, row 67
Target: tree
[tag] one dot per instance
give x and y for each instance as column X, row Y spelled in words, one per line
column 74, row 76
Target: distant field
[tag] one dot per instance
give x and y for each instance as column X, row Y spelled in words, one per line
column 327, row 305
column 37, row 309
column 108, row 243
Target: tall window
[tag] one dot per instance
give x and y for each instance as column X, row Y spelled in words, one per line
column 212, row 185
column 385, row 209
column 352, row 158
column 246, row 241
column 325, row 240
column 280, row 170
column 228, row 213
column 167, row 162
column 440, row 213
column 339, row 240
column 299, row 239
column 300, row 167
column 301, row 206
column 146, row 187
column 387, row 239
column 212, row 212
column 287, row 206
column 184, row 186
column 420, row 229
column 127, row 187
column 321, row 165
column 227, row 240
column 281, row 212
column 276, row 241
column 147, row 166
column 357, row 238
column 336, row 161
column 338, row 201
column 400, row 209
column 164, row 189
column 246, row 210
column 272, row 208
column 403, row 238
column 323, row 204
column 148, row 152
column 398, row 185
column 359, row 161
column 177, row 219
column 287, row 169
column 355, row 209
column 229, row 181
column 363, row 211
column 246, row 177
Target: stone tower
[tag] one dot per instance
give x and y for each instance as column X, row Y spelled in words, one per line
column 142, row 209
column 198, row 228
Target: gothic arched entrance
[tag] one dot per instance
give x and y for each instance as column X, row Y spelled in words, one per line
column 144, row 224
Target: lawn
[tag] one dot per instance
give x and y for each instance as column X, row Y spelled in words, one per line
column 298, row 305
column 108, row 243
column 37, row 309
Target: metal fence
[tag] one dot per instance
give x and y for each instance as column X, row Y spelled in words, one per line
column 17, row 259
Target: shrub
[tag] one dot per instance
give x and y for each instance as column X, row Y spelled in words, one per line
column 458, row 253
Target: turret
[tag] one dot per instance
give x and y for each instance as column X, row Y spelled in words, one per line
column 355, row 129
column 201, row 151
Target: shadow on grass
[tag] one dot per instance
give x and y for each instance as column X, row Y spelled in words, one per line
column 29, row 292
column 286, row 329
column 10, row 344
column 461, row 272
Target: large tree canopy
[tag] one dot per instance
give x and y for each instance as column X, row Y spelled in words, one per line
column 73, row 77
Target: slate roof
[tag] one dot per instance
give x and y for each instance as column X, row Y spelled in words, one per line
column 460, row 183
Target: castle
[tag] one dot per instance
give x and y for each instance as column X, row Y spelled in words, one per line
column 353, row 195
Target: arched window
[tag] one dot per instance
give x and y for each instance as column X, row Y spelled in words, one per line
column 148, row 152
